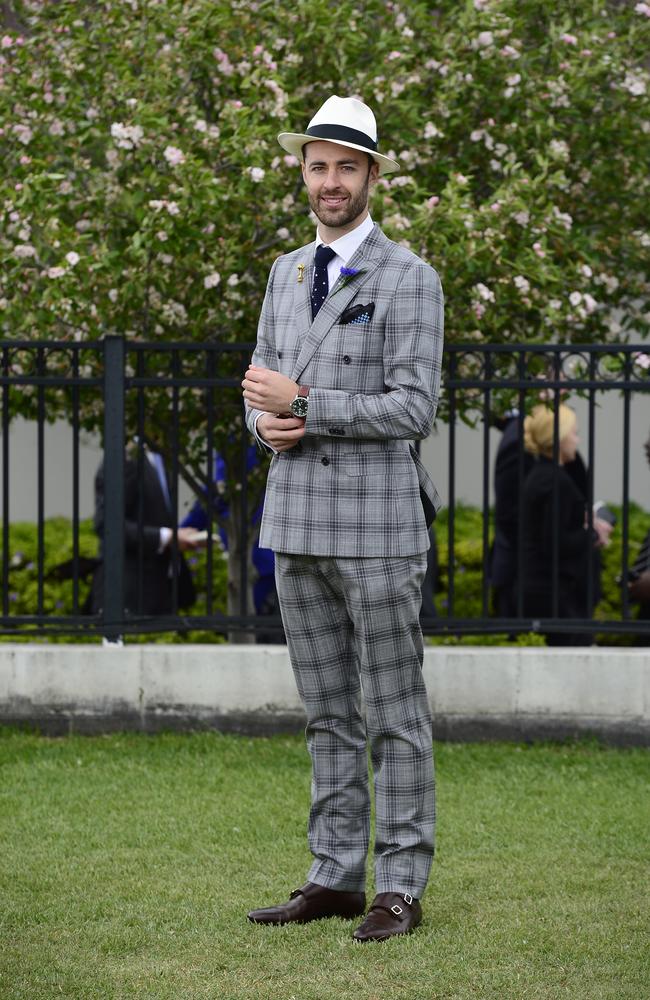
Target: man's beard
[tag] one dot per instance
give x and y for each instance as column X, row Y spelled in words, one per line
column 336, row 218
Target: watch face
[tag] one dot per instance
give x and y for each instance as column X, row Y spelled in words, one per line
column 299, row 406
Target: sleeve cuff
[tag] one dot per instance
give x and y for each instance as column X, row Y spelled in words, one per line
column 165, row 539
column 260, row 440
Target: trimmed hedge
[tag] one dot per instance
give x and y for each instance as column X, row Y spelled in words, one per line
column 58, row 594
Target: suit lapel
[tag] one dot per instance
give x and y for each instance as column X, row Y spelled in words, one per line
column 372, row 252
column 302, row 292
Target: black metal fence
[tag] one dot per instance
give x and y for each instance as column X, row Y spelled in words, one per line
column 184, row 402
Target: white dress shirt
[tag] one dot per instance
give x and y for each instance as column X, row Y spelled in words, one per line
column 345, row 248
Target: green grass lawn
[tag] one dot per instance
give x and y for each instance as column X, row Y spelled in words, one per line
column 128, row 864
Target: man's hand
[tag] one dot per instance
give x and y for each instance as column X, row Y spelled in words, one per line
column 603, row 530
column 280, row 432
column 268, row 390
column 186, row 539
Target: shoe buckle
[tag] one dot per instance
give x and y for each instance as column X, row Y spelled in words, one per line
column 408, row 898
column 396, row 910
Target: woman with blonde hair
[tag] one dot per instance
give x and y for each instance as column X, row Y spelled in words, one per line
column 555, row 519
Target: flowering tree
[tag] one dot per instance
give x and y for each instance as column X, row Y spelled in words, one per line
column 144, row 192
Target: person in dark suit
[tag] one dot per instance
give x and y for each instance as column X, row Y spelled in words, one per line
column 504, row 563
column 564, row 524
column 148, row 516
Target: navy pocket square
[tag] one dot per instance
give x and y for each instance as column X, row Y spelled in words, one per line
column 358, row 314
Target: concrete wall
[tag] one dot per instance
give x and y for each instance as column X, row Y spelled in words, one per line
column 475, row 693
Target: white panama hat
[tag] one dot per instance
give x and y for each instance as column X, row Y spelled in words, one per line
column 345, row 121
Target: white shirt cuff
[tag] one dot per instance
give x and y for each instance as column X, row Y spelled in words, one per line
column 259, row 437
column 165, row 539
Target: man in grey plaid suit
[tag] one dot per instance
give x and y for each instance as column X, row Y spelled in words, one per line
column 345, row 374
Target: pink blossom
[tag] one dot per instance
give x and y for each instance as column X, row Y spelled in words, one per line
column 212, row 280
column 256, row 174
column 432, row 201
column 495, row 206
column 126, row 136
column 290, row 160
column 568, row 39
column 24, row 250
column 643, row 8
column 642, row 360
column 479, row 309
column 25, row 160
column 394, row 55
column 225, row 65
column 484, row 292
column 484, row 38
column 6, row 42
column 72, row 258
column 174, row 156
column 537, row 247
column 24, row 133
column 55, row 272
column 431, row 131
column 521, row 283
column 585, row 52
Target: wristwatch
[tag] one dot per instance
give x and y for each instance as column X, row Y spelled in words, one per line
column 300, row 404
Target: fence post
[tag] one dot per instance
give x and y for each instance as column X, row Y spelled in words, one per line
column 113, row 486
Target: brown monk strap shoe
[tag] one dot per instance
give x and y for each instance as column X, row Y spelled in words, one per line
column 390, row 914
column 312, row 902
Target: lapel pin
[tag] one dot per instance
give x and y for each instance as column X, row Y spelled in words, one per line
column 301, row 273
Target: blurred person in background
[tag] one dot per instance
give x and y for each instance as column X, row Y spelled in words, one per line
column 639, row 576
column 149, row 564
column 565, row 524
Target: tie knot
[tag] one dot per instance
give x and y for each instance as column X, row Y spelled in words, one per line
column 324, row 255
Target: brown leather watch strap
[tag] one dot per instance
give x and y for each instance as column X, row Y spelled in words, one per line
column 303, row 390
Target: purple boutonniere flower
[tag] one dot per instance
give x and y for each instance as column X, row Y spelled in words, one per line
column 346, row 274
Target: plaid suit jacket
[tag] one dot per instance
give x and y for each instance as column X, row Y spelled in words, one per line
column 354, row 486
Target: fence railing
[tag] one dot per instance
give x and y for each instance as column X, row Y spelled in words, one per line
column 184, row 402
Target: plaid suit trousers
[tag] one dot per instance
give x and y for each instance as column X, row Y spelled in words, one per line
column 352, row 625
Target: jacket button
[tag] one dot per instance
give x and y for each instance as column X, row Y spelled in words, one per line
column 346, row 359
column 325, row 461
column 279, row 354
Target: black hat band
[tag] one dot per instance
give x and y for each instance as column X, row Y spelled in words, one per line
column 341, row 133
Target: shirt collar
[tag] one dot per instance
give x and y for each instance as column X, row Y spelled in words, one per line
column 346, row 246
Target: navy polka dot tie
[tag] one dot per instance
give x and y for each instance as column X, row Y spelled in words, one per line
column 320, row 286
